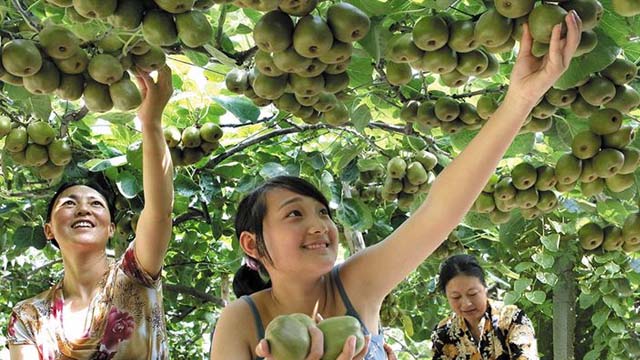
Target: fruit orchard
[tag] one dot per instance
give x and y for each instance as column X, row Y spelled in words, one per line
column 369, row 100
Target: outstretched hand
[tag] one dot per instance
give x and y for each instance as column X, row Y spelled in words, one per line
column 155, row 94
column 531, row 77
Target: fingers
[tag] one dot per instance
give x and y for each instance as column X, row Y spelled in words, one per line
column 526, row 42
column 349, row 349
column 317, row 344
column 365, row 348
column 319, row 318
column 262, row 349
column 390, row 354
column 574, row 32
column 555, row 47
column 164, row 76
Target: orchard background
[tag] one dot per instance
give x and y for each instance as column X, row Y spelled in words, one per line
column 353, row 136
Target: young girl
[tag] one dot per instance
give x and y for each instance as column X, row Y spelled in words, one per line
column 286, row 230
column 104, row 309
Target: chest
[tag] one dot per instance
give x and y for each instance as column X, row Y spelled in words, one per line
column 76, row 321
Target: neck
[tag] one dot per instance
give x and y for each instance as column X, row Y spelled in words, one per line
column 300, row 295
column 82, row 273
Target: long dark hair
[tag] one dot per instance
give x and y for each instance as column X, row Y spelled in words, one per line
column 252, row 275
column 95, row 186
column 460, row 264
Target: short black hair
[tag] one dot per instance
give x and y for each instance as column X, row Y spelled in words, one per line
column 460, row 264
column 107, row 195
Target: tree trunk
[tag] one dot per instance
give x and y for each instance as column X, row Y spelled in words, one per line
column 564, row 310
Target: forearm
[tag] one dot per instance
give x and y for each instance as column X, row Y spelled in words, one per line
column 157, row 171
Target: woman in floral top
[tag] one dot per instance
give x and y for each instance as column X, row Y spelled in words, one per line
column 479, row 328
column 105, row 309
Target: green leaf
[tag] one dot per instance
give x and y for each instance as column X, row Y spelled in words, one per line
column 134, row 155
column 360, row 71
column 376, row 39
column 185, row 186
column 587, row 300
column 547, row 278
column 511, row 297
column 616, row 325
column 536, row 297
column 128, row 185
column 232, row 170
column 371, row 7
column 600, row 317
column 522, row 284
column 593, row 355
column 416, row 143
column 270, row 170
column 583, row 66
column 522, row 144
column 361, row 117
column 26, row 236
column 118, row 117
column 407, row 325
column 240, row 106
column 551, row 242
column 355, row 214
column 543, row 259
column 435, row 4
column 98, row 165
column 197, row 57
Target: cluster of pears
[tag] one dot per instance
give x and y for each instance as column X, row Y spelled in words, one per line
column 36, row 146
column 56, row 64
column 127, row 219
column 288, row 335
column 528, row 188
column 302, row 68
column 189, row 145
column 459, row 49
column 609, row 89
column 407, row 177
column 600, row 157
column 163, row 22
column 390, row 310
column 612, row 237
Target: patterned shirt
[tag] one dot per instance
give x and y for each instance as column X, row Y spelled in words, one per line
column 506, row 334
column 125, row 319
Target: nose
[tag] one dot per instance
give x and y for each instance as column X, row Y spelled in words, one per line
column 82, row 208
column 318, row 225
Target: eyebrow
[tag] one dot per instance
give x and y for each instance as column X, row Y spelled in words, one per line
column 75, row 197
column 290, row 201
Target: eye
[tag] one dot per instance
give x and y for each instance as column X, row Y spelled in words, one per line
column 97, row 203
column 324, row 211
column 68, row 202
column 294, row 213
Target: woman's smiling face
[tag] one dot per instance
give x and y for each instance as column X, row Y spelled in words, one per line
column 298, row 232
column 80, row 216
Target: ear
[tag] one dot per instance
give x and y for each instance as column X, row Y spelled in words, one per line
column 249, row 244
column 48, row 231
column 112, row 229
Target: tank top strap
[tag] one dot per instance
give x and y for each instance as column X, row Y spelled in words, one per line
column 345, row 298
column 256, row 318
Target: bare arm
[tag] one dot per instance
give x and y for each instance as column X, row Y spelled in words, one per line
column 154, row 227
column 374, row 272
column 23, row 352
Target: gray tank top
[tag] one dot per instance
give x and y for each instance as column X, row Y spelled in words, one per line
column 376, row 346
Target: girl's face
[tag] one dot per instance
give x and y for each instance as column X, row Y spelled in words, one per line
column 467, row 297
column 80, row 216
column 298, row 233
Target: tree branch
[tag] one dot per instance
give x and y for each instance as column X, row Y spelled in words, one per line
column 191, row 214
column 201, row 295
column 30, row 20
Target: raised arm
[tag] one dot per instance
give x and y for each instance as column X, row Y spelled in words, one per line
column 154, row 227
column 375, row 271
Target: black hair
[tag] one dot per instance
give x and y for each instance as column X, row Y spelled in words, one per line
column 107, row 195
column 460, row 264
column 249, row 217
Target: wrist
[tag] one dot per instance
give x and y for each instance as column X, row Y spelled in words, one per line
column 521, row 100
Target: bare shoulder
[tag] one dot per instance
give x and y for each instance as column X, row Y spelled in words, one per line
column 235, row 334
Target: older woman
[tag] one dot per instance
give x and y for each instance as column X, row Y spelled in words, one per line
column 101, row 308
column 479, row 328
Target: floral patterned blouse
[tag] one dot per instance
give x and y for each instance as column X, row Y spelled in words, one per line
column 126, row 319
column 506, row 334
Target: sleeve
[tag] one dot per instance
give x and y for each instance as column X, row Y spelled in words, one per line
column 438, row 340
column 521, row 338
column 131, row 267
column 18, row 333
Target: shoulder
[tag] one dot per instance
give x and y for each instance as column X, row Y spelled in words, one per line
column 444, row 325
column 507, row 314
column 235, row 329
column 34, row 306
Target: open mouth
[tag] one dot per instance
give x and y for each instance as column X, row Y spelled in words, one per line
column 82, row 224
column 315, row 246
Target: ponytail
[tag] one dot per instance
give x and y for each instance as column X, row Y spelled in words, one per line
column 250, row 278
